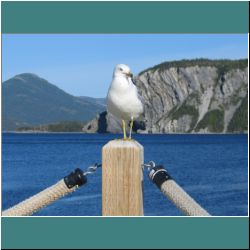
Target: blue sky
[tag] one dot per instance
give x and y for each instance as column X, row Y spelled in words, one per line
column 82, row 64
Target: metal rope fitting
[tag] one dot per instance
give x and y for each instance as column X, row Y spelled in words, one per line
column 75, row 178
column 79, row 177
column 159, row 175
column 149, row 165
column 92, row 169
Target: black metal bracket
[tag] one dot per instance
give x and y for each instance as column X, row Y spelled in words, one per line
column 75, row 178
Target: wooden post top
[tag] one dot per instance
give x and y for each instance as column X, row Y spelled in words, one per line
column 122, row 178
column 120, row 143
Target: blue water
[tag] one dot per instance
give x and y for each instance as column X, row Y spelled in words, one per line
column 213, row 169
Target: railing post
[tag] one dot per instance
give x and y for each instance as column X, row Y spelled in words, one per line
column 122, row 178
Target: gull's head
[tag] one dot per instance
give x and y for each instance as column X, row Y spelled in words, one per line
column 122, row 70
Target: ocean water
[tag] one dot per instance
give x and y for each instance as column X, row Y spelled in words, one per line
column 213, row 169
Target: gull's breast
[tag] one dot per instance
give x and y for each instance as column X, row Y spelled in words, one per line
column 124, row 105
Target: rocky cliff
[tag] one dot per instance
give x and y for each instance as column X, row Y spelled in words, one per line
column 189, row 96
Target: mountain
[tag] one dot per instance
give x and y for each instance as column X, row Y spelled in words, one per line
column 100, row 101
column 189, row 96
column 28, row 100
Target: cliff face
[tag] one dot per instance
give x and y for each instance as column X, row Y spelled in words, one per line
column 192, row 96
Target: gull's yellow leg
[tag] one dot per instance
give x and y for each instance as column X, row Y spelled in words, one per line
column 124, row 130
column 131, row 127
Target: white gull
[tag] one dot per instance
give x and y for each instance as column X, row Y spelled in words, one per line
column 122, row 100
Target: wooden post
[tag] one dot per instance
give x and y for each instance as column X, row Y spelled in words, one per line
column 122, row 178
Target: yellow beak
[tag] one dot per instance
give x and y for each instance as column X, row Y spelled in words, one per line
column 129, row 74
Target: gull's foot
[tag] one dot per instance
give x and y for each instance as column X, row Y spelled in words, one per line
column 124, row 139
column 130, row 139
column 120, row 139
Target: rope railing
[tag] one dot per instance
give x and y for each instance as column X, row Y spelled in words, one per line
column 157, row 174
column 40, row 200
column 175, row 193
column 62, row 188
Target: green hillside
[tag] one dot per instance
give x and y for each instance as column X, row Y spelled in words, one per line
column 239, row 122
column 223, row 65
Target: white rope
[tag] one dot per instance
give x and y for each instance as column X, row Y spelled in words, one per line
column 182, row 200
column 40, row 200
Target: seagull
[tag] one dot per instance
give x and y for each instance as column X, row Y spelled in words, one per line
column 122, row 99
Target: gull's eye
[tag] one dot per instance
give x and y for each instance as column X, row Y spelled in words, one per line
column 121, row 69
